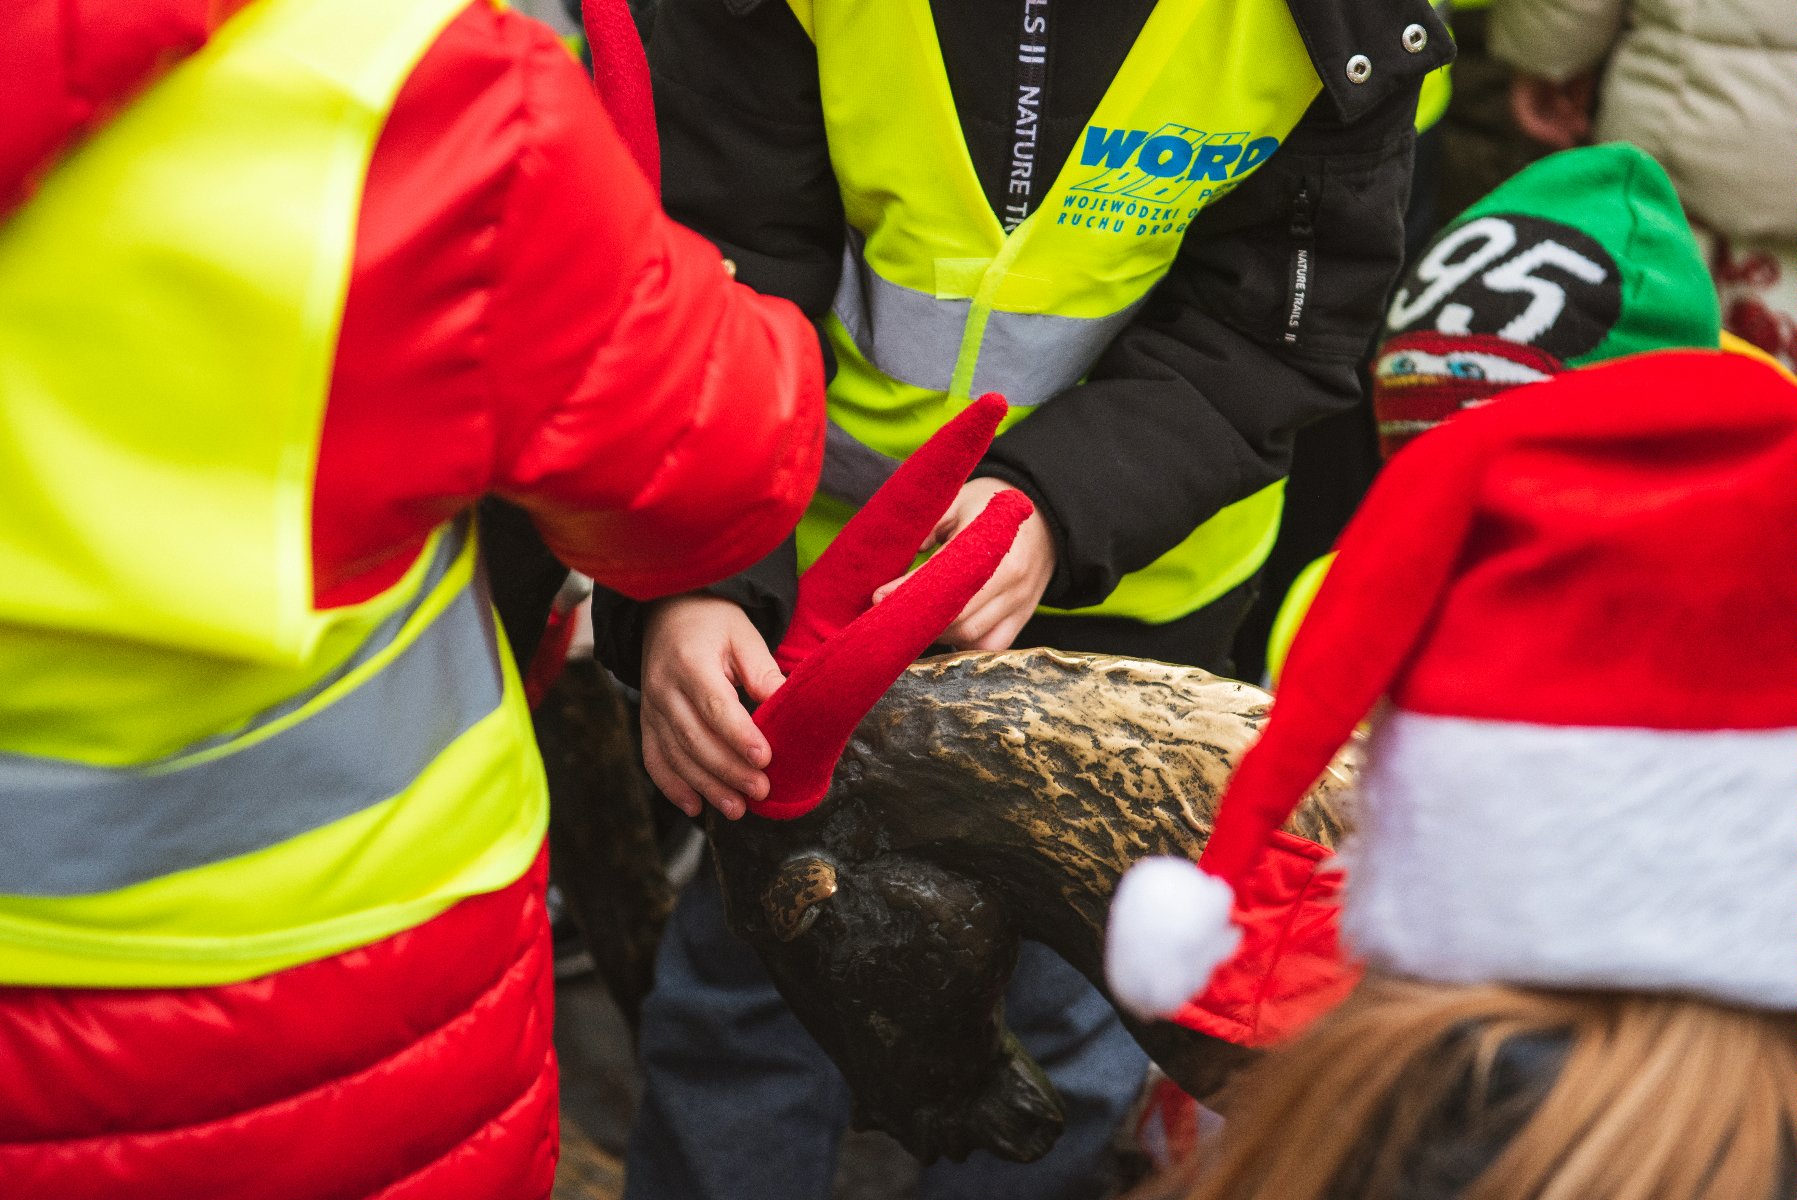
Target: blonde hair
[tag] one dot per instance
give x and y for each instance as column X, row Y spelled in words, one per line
column 1655, row 1098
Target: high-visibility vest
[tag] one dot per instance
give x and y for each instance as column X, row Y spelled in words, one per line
column 203, row 778
column 1432, row 101
column 1438, row 85
column 938, row 304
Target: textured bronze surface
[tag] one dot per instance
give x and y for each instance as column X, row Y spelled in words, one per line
column 988, row 798
column 790, row 900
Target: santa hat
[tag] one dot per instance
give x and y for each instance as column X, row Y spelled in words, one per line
column 842, row 651
column 1585, row 774
column 1582, row 257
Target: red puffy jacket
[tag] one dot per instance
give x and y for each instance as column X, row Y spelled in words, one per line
column 522, row 320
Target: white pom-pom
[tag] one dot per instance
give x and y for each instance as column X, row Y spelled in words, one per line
column 1169, row 930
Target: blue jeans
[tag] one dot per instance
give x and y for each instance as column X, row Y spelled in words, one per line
column 739, row 1103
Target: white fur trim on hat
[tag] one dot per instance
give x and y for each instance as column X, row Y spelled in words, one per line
column 1169, row 930
column 1579, row 856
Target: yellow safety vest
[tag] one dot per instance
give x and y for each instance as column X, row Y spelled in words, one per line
column 1432, row 102
column 1438, row 85
column 938, row 304
column 203, row 778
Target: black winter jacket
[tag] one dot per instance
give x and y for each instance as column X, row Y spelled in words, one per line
column 1194, row 405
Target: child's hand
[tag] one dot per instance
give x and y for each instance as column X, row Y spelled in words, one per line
column 699, row 743
column 997, row 611
column 1554, row 114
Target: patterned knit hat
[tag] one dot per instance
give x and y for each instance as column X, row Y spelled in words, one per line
column 1585, row 774
column 1583, row 257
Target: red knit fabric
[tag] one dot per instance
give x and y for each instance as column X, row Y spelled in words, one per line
column 881, row 541
column 621, row 73
column 1407, row 404
column 418, row 1066
column 839, row 656
column 809, row 720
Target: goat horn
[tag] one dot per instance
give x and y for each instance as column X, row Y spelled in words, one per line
column 880, row 542
column 810, row 719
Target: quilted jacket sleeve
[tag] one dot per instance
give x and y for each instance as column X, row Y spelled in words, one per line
column 65, row 65
column 663, row 427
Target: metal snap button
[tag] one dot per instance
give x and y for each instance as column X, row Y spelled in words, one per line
column 1415, row 38
column 1360, row 69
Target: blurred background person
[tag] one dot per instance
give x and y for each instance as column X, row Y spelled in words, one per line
column 1710, row 90
column 1569, row 882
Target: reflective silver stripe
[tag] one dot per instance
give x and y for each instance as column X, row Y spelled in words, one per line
column 910, row 335
column 853, row 470
column 1032, row 356
column 915, row 338
column 69, row 829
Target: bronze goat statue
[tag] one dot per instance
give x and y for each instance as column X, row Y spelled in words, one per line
column 988, row 798
column 931, row 815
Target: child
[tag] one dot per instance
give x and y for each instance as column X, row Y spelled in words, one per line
column 1710, row 90
column 1583, row 257
column 1571, row 878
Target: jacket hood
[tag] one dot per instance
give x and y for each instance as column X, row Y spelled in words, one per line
column 67, row 65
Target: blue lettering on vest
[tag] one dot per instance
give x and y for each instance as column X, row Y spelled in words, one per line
column 1160, row 175
column 1212, row 160
column 1165, row 157
column 1112, row 147
column 1259, row 151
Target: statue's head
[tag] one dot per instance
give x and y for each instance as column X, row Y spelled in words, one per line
column 897, row 965
column 985, row 798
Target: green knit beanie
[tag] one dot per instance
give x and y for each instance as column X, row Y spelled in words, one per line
column 1581, row 257
column 1584, row 255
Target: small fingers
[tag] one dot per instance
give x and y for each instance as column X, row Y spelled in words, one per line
column 756, row 672
column 886, row 589
column 701, row 783
column 724, row 733
column 984, row 607
column 1002, row 635
column 676, row 789
column 712, row 762
column 965, row 629
column 947, row 526
column 990, row 624
column 689, row 765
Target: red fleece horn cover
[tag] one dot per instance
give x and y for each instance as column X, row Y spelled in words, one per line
column 621, row 76
column 810, row 719
column 880, row 542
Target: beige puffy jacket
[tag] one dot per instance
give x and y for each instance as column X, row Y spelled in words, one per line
column 1708, row 87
